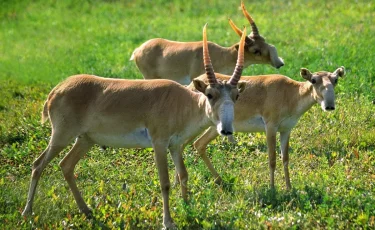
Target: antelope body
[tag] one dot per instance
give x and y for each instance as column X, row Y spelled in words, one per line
column 161, row 114
column 155, row 57
column 274, row 103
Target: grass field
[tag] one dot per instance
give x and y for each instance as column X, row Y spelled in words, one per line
column 332, row 162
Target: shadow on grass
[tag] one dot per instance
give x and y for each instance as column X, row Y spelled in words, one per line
column 302, row 199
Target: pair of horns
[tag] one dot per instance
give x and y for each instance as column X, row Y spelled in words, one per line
column 208, row 65
column 254, row 27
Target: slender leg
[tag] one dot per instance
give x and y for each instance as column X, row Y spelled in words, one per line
column 176, row 177
column 68, row 164
column 176, row 152
column 162, row 165
column 284, row 144
column 201, row 146
column 57, row 143
column 271, row 143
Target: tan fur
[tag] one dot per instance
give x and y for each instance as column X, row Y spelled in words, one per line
column 45, row 113
column 101, row 103
column 132, row 114
column 160, row 113
column 155, row 58
column 182, row 61
column 271, row 104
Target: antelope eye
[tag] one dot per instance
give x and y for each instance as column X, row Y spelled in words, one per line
column 313, row 81
column 237, row 97
column 257, row 52
column 209, row 96
column 335, row 80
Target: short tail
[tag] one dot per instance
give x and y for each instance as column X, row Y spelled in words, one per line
column 45, row 116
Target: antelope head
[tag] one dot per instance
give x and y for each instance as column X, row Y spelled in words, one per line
column 221, row 95
column 257, row 51
column 323, row 86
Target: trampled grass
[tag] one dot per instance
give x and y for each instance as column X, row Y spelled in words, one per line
column 332, row 158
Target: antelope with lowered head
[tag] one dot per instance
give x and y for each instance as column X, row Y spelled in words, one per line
column 157, row 58
column 161, row 114
column 274, row 103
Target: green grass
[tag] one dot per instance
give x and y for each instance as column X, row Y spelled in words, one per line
column 332, row 161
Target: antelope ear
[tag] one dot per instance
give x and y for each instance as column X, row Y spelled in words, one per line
column 306, row 74
column 241, row 85
column 340, row 71
column 200, row 85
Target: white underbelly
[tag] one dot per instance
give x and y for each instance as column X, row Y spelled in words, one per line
column 138, row 138
column 288, row 124
column 255, row 124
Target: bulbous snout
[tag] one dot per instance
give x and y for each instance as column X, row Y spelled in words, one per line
column 328, row 103
column 226, row 116
column 280, row 65
column 276, row 61
column 226, row 132
column 330, row 108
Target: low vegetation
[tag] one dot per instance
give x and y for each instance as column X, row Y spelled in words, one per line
column 332, row 160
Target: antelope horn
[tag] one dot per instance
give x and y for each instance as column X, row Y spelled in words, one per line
column 207, row 61
column 240, row 61
column 235, row 28
column 239, row 32
column 254, row 27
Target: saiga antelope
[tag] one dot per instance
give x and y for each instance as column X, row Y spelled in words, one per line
column 274, row 103
column 161, row 114
column 155, row 57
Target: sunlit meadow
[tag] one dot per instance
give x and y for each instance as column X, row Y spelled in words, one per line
column 332, row 160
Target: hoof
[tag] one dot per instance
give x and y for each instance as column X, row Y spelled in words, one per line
column 88, row 213
column 169, row 225
column 185, row 199
column 27, row 212
column 218, row 181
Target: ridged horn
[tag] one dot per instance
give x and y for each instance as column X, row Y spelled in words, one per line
column 254, row 27
column 207, row 60
column 239, row 32
column 240, row 61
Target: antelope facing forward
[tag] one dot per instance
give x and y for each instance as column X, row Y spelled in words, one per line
column 274, row 103
column 135, row 114
column 155, row 57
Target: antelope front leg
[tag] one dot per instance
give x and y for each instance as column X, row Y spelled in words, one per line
column 181, row 172
column 271, row 143
column 162, row 165
column 201, row 145
column 284, row 144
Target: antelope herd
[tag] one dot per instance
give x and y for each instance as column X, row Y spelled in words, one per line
column 161, row 113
